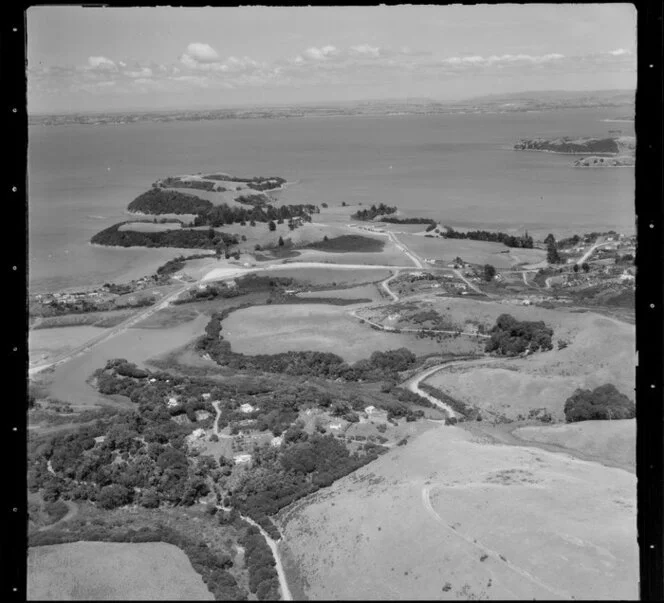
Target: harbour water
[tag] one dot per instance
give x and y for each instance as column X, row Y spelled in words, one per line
column 458, row 169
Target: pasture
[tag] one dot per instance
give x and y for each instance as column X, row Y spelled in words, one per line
column 612, row 441
column 447, row 517
column 112, row 571
column 474, row 252
column 600, row 350
column 312, row 327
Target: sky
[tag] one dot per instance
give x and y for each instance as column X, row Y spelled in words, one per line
column 114, row 59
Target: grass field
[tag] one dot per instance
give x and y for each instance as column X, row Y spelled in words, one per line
column 611, row 440
column 317, row 327
column 600, row 350
column 474, row 252
column 110, row 571
column 447, row 517
column 330, row 276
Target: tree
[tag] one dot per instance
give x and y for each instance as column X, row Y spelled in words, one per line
column 343, row 204
column 211, row 233
column 576, row 268
column 552, row 255
column 585, row 266
column 550, row 239
column 281, row 241
column 489, row 272
column 272, row 226
column 114, row 496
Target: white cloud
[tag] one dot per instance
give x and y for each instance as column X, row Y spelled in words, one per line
column 366, row 50
column 202, row 53
column 619, row 51
column 505, row 58
column 318, row 54
column 101, row 63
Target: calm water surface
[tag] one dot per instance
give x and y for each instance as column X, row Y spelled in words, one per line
column 456, row 168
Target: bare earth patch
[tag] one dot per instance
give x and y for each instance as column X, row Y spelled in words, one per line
column 112, row 571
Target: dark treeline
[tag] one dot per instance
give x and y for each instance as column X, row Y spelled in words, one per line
column 184, row 238
column 525, row 241
column 225, row 214
column 467, row 412
column 157, row 201
column 373, row 211
column 344, row 243
column 410, row 221
column 510, row 337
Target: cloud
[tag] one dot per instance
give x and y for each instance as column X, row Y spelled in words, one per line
column 503, row 59
column 202, row 53
column 618, row 52
column 101, row 64
column 366, row 50
column 319, row 54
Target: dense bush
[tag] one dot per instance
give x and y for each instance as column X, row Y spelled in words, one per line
column 525, row 241
column 510, row 337
column 225, row 214
column 158, row 201
column 345, row 243
column 604, row 402
column 185, row 238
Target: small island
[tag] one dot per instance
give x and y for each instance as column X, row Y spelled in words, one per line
column 612, row 151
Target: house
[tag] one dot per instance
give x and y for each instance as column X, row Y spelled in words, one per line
column 370, row 410
column 277, row 441
column 247, row 408
column 242, row 458
column 334, row 426
column 173, row 401
column 206, row 396
column 626, row 277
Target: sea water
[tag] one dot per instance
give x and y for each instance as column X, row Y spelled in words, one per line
column 458, row 169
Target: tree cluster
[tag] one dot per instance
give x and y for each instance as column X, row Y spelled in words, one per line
column 158, row 201
column 510, row 337
column 225, row 214
column 603, row 402
column 184, row 238
column 525, row 241
column 374, row 211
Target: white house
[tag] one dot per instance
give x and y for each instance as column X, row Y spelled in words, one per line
column 334, row 426
column 206, row 396
column 172, row 402
column 370, row 410
column 242, row 458
column 247, row 408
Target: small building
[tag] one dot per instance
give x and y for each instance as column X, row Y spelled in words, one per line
column 242, row 458
column 277, row 441
column 334, row 426
column 206, row 396
column 370, row 410
column 173, row 401
column 247, row 408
